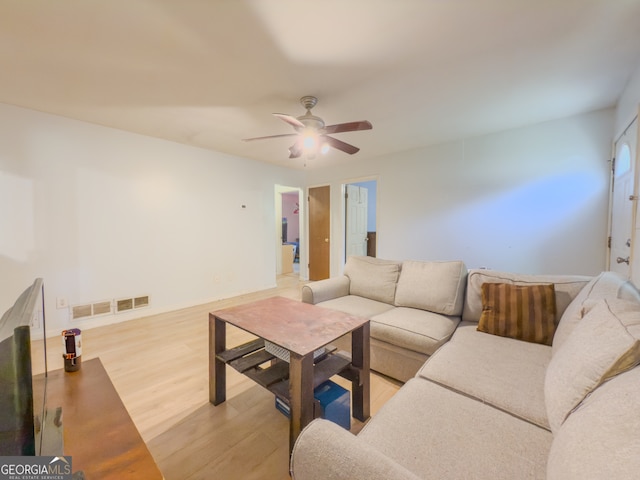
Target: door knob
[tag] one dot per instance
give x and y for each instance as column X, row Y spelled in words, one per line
column 623, row 260
column 628, row 243
column 326, row 240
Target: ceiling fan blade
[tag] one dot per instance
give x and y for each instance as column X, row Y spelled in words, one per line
column 295, row 150
column 293, row 121
column 269, row 136
column 340, row 145
column 349, row 127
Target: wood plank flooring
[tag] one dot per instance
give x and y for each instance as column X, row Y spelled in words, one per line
column 159, row 366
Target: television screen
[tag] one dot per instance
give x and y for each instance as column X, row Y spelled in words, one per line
column 26, row 426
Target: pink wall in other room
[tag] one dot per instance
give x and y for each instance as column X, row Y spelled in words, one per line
column 289, row 205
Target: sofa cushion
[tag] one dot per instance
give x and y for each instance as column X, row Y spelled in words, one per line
column 604, row 285
column 601, row 438
column 355, row 305
column 372, row 278
column 604, row 344
column 439, row 434
column 523, row 312
column 413, row 329
column 434, row 286
column 504, row 373
column 566, row 288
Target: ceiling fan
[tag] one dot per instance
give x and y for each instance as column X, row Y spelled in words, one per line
column 313, row 135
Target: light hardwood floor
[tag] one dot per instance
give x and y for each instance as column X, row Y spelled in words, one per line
column 159, row 366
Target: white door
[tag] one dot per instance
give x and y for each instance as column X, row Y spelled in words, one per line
column 623, row 203
column 631, row 136
column 356, row 220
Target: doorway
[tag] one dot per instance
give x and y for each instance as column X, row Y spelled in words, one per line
column 288, row 231
column 361, row 218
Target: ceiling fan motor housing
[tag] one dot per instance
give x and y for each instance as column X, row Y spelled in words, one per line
column 309, row 120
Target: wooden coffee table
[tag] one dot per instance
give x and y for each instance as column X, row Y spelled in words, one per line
column 301, row 329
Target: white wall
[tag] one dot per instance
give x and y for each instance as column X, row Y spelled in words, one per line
column 103, row 214
column 530, row 200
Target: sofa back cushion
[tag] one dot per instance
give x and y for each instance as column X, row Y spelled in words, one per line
column 605, row 343
column 434, row 286
column 372, row 278
column 604, row 285
column 601, row 438
column 566, row 288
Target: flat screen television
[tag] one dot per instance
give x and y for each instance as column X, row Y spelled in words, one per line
column 27, row 427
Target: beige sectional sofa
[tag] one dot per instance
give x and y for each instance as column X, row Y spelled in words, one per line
column 414, row 307
column 487, row 406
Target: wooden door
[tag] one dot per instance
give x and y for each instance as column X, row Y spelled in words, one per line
column 319, row 232
column 356, row 220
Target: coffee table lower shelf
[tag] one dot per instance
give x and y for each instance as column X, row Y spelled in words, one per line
column 250, row 359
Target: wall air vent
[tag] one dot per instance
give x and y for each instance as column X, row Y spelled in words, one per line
column 124, row 305
column 101, row 308
column 140, row 302
column 108, row 307
column 79, row 312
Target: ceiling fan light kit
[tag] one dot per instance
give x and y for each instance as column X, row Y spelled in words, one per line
column 312, row 133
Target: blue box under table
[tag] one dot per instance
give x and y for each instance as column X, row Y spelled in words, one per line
column 335, row 402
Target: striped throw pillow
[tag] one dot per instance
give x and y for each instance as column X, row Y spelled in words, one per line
column 523, row 312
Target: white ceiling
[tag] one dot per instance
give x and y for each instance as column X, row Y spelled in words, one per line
column 209, row 73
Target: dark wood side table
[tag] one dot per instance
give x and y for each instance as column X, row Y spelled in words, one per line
column 99, row 434
column 301, row 329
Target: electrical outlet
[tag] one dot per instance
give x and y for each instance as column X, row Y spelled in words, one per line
column 61, row 302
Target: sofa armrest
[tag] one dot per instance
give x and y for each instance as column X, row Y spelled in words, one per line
column 326, row 451
column 324, row 290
